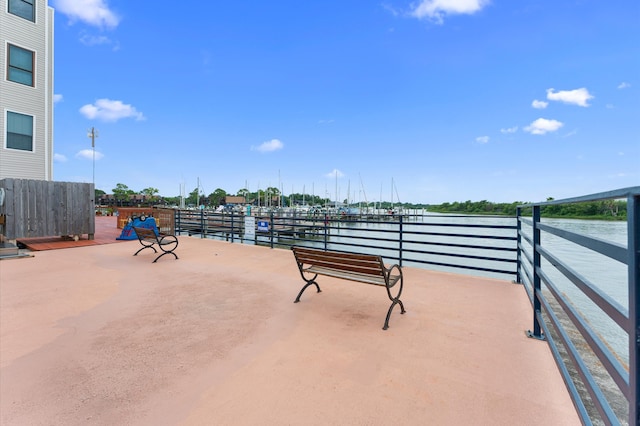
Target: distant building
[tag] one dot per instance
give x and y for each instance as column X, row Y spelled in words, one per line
column 26, row 89
column 232, row 199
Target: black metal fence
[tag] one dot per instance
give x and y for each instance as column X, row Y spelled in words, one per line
column 484, row 244
column 602, row 379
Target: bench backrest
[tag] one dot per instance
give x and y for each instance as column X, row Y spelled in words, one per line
column 145, row 232
column 360, row 263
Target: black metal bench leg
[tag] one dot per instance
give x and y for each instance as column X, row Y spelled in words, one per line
column 402, row 311
column 167, row 252
column 151, row 247
column 305, row 287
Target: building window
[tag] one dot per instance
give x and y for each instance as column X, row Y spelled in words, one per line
column 19, row 131
column 23, row 8
column 20, row 67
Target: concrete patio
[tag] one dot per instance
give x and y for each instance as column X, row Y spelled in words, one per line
column 95, row 336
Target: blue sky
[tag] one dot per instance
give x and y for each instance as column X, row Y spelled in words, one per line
column 429, row 101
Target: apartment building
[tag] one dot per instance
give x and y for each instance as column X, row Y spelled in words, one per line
column 26, row 89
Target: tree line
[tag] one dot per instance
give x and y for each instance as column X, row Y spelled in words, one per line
column 606, row 209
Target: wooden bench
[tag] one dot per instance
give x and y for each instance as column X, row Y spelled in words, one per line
column 149, row 238
column 364, row 268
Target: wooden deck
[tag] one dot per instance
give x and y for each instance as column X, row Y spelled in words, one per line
column 106, row 233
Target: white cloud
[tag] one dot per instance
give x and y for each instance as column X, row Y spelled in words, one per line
column 539, row 104
column 482, row 139
column 108, row 110
column 437, row 9
column 269, row 146
column 57, row 98
column 87, row 154
column 59, row 158
column 334, row 174
column 92, row 12
column 542, row 126
column 91, row 40
column 509, row 130
column 577, row 97
column 624, row 85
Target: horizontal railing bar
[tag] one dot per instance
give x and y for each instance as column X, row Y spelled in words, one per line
column 473, row 246
column 465, row 256
column 594, row 390
column 613, row 250
column 527, row 238
column 608, row 195
column 612, row 308
column 611, row 364
column 450, row 265
column 527, row 255
column 526, row 220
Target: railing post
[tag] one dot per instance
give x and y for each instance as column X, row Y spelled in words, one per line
column 326, row 229
column 202, row 225
column 233, row 215
column 518, row 243
column 633, row 264
column 400, row 242
column 537, row 290
column 271, row 225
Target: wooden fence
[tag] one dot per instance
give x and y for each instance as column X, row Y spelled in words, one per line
column 38, row 208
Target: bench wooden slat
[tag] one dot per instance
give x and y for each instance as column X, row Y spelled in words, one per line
column 353, row 276
column 363, row 264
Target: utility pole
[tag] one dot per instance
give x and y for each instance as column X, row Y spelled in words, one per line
column 93, row 134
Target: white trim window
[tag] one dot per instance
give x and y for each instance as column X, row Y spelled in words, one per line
column 23, row 8
column 21, row 63
column 19, row 131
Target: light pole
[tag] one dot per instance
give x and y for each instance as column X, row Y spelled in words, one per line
column 93, row 134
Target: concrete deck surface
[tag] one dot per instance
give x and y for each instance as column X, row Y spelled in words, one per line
column 95, row 336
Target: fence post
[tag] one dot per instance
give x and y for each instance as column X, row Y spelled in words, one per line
column 400, row 241
column 233, row 215
column 633, row 264
column 326, row 229
column 518, row 244
column 271, row 225
column 202, row 225
column 537, row 291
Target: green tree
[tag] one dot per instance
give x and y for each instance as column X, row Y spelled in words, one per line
column 97, row 194
column 122, row 192
column 217, row 197
column 194, row 197
column 150, row 194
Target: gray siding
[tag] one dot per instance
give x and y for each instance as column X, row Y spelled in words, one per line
column 36, row 101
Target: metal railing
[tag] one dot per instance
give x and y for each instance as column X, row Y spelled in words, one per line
column 601, row 383
column 483, row 244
